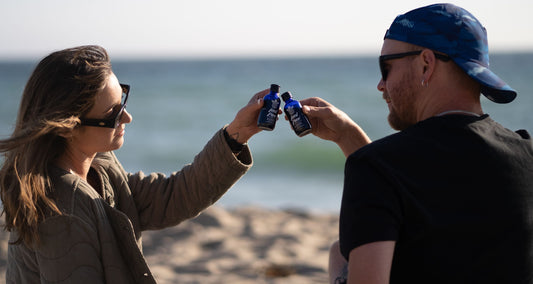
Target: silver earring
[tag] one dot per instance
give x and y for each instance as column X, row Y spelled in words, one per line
column 424, row 83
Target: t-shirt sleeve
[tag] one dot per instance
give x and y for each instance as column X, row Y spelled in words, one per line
column 371, row 208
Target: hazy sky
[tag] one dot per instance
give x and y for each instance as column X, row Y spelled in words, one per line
column 200, row 28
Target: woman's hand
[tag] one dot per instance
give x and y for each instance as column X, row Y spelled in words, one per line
column 244, row 125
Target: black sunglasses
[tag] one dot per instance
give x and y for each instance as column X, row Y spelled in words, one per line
column 114, row 118
column 383, row 58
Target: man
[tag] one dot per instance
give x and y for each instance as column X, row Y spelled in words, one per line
column 449, row 198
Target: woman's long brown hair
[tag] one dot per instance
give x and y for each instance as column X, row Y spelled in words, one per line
column 61, row 89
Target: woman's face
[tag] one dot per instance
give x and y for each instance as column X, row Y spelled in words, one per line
column 90, row 139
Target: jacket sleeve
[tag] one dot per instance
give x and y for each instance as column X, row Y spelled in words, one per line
column 166, row 201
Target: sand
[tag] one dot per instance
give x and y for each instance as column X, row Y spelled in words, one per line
column 241, row 245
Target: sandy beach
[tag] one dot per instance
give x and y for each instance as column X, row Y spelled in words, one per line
column 241, row 245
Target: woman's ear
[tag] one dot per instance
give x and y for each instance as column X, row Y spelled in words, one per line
column 67, row 128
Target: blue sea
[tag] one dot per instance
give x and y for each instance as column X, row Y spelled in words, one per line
column 177, row 105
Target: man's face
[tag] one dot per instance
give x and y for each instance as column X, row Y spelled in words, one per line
column 400, row 89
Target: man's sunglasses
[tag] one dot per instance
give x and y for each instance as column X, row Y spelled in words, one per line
column 114, row 118
column 384, row 58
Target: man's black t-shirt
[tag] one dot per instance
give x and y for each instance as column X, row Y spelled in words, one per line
column 455, row 193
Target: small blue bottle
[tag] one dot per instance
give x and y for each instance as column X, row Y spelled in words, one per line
column 269, row 112
column 293, row 109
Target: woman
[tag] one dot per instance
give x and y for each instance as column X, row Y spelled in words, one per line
column 74, row 214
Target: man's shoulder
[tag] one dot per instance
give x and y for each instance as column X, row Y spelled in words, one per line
column 416, row 138
column 391, row 142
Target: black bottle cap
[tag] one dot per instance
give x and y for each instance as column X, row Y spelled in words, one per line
column 285, row 96
column 274, row 88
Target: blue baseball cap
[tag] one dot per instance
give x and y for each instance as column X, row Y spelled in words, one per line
column 453, row 31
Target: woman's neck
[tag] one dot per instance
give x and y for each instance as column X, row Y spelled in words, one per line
column 75, row 164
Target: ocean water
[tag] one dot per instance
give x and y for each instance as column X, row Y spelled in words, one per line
column 177, row 105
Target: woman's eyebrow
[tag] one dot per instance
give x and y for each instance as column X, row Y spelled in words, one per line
column 111, row 108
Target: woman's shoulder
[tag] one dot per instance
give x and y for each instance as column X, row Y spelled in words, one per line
column 105, row 159
column 107, row 162
column 70, row 192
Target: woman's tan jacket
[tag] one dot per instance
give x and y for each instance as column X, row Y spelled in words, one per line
column 98, row 237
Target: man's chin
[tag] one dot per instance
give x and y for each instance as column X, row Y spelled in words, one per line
column 396, row 123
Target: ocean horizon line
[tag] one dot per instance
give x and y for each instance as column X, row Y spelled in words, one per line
column 251, row 57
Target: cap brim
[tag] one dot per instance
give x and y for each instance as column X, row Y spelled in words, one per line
column 494, row 88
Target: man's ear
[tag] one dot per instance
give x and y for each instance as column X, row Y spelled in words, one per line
column 428, row 61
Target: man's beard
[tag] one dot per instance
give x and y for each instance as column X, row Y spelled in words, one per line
column 402, row 114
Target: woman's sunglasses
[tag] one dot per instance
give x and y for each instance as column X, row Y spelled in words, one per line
column 114, row 118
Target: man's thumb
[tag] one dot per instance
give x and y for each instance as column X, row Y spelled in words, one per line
column 312, row 111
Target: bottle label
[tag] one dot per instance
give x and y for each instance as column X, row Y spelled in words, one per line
column 272, row 107
column 269, row 114
column 299, row 121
